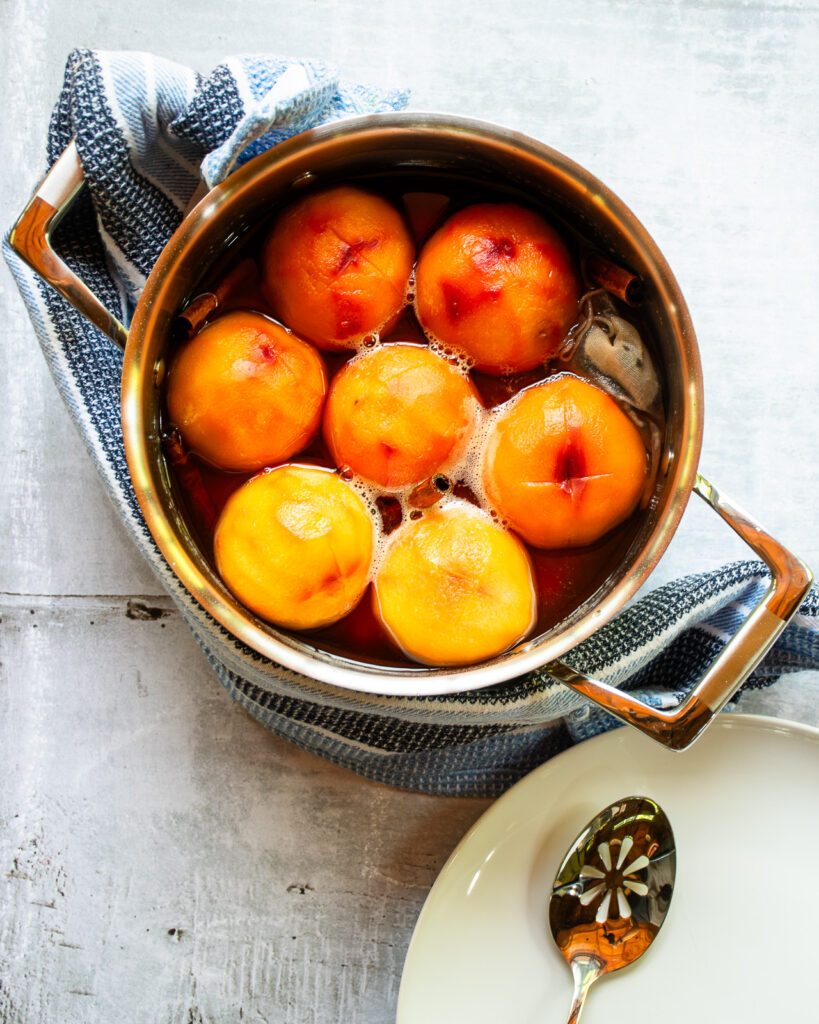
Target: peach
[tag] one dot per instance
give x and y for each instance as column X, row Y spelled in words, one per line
column 246, row 393
column 455, row 587
column 396, row 414
column 496, row 282
column 563, row 463
column 295, row 544
column 336, row 266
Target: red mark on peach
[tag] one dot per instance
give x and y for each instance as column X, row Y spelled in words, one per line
column 460, row 302
column 351, row 252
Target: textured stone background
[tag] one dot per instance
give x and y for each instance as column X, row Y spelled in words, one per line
column 162, row 858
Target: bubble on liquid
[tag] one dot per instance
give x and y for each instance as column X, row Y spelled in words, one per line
column 460, row 360
column 409, row 292
column 470, row 483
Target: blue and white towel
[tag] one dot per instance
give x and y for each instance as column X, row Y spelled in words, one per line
column 149, row 134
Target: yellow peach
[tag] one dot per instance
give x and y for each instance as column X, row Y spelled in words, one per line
column 246, row 393
column 496, row 282
column 397, row 413
column 563, row 463
column 295, row 544
column 454, row 587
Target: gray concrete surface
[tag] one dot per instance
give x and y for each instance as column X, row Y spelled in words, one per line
column 162, row 858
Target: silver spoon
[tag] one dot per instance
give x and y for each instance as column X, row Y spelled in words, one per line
column 612, row 892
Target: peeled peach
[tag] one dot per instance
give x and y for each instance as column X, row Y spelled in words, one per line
column 246, row 393
column 563, row 463
column 497, row 283
column 397, row 413
column 455, row 588
column 295, row 544
column 336, row 266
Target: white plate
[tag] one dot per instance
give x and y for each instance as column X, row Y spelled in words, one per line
column 740, row 941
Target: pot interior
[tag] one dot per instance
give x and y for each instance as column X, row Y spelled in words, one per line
column 417, row 146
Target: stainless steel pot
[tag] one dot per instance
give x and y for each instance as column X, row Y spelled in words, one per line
column 481, row 152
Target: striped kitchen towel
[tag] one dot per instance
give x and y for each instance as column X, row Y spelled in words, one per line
column 151, row 134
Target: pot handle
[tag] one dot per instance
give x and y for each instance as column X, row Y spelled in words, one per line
column 31, row 239
column 678, row 728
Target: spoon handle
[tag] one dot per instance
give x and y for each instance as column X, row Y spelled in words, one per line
column 585, row 971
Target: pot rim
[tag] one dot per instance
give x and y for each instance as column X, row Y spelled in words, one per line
column 139, row 370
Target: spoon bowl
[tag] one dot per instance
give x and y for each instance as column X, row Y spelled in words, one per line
column 612, row 892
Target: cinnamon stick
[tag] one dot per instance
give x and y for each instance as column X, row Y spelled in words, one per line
column 204, row 306
column 429, row 492
column 614, row 279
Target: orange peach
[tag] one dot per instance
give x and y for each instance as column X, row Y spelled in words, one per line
column 295, row 545
column 455, row 588
column 496, row 282
column 336, row 266
column 246, row 393
column 396, row 414
column 563, row 463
